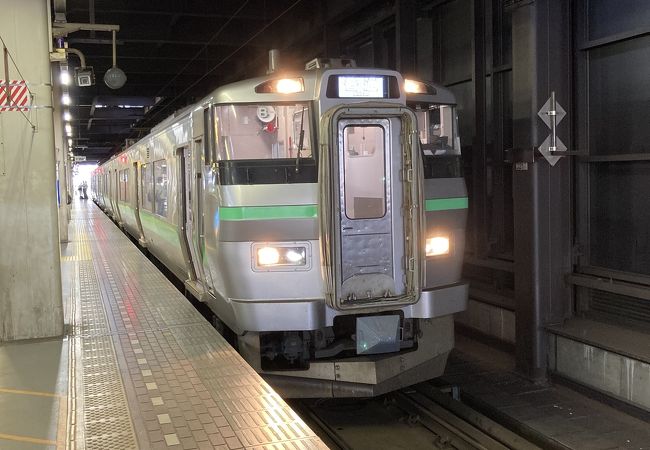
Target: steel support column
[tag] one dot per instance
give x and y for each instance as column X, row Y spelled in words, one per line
column 479, row 157
column 541, row 193
column 406, row 27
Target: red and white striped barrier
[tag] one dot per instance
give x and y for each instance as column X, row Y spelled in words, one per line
column 19, row 100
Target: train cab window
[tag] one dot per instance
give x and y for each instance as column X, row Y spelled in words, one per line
column 438, row 130
column 160, row 187
column 146, row 176
column 365, row 172
column 258, row 132
column 124, row 185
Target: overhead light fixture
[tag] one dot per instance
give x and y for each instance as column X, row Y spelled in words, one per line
column 65, row 99
column 65, row 78
column 68, row 129
column 67, row 116
column 69, row 142
column 114, row 77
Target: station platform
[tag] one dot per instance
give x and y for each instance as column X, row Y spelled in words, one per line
column 139, row 367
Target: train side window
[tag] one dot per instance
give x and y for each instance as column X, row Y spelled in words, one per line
column 146, row 176
column 160, row 187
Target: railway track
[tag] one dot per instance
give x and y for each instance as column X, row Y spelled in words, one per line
column 421, row 417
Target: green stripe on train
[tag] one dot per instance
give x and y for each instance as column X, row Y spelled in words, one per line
column 443, row 204
column 311, row 211
column 155, row 224
column 268, row 212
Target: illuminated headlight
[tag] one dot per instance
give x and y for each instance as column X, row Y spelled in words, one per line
column 437, row 245
column 289, row 86
column 280, row 256
column 281, row 86
column 418, row 87
column 268, row 256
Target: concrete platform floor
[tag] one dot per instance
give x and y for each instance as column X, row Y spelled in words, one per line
column 33, row 394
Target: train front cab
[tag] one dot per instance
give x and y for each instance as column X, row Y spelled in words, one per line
column 445, row 195
column 389, row 297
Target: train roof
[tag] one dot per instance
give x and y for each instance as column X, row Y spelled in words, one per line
column 244, row 91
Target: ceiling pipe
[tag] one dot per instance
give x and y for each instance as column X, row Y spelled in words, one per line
column 65, row 28
column 60, row 6
column 81, row 56
column 274, row 61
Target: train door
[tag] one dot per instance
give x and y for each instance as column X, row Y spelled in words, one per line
column 189, row 231
column 374, row 199
column 199, row 199
column 109, row 193
column 117, row 191
column 136, row 201
column 105, row 196
column 203, row 152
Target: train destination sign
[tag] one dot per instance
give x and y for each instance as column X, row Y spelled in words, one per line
column 361, row 86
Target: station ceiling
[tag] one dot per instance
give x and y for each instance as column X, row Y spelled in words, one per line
column 173, row 53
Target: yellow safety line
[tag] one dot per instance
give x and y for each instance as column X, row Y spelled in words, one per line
column 62, row 423
column 26, row 392
column 14, row 437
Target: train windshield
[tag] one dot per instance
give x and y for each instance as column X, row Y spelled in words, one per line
column 438, row 130
column 263, row 131
column 439, row 140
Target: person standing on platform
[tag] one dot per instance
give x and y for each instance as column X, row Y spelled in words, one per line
column 84, row 188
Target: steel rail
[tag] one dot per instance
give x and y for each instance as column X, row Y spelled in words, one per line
column 476, row 419
column 452, row 431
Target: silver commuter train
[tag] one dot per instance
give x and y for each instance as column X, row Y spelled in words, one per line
column 319, row 214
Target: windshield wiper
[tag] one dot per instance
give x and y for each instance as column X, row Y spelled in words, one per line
column 301, row 139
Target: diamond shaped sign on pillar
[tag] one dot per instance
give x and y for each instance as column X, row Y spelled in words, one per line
column 559, row 113
column 552, row 157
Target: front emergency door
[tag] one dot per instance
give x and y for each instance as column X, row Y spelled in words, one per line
column 370, row 217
